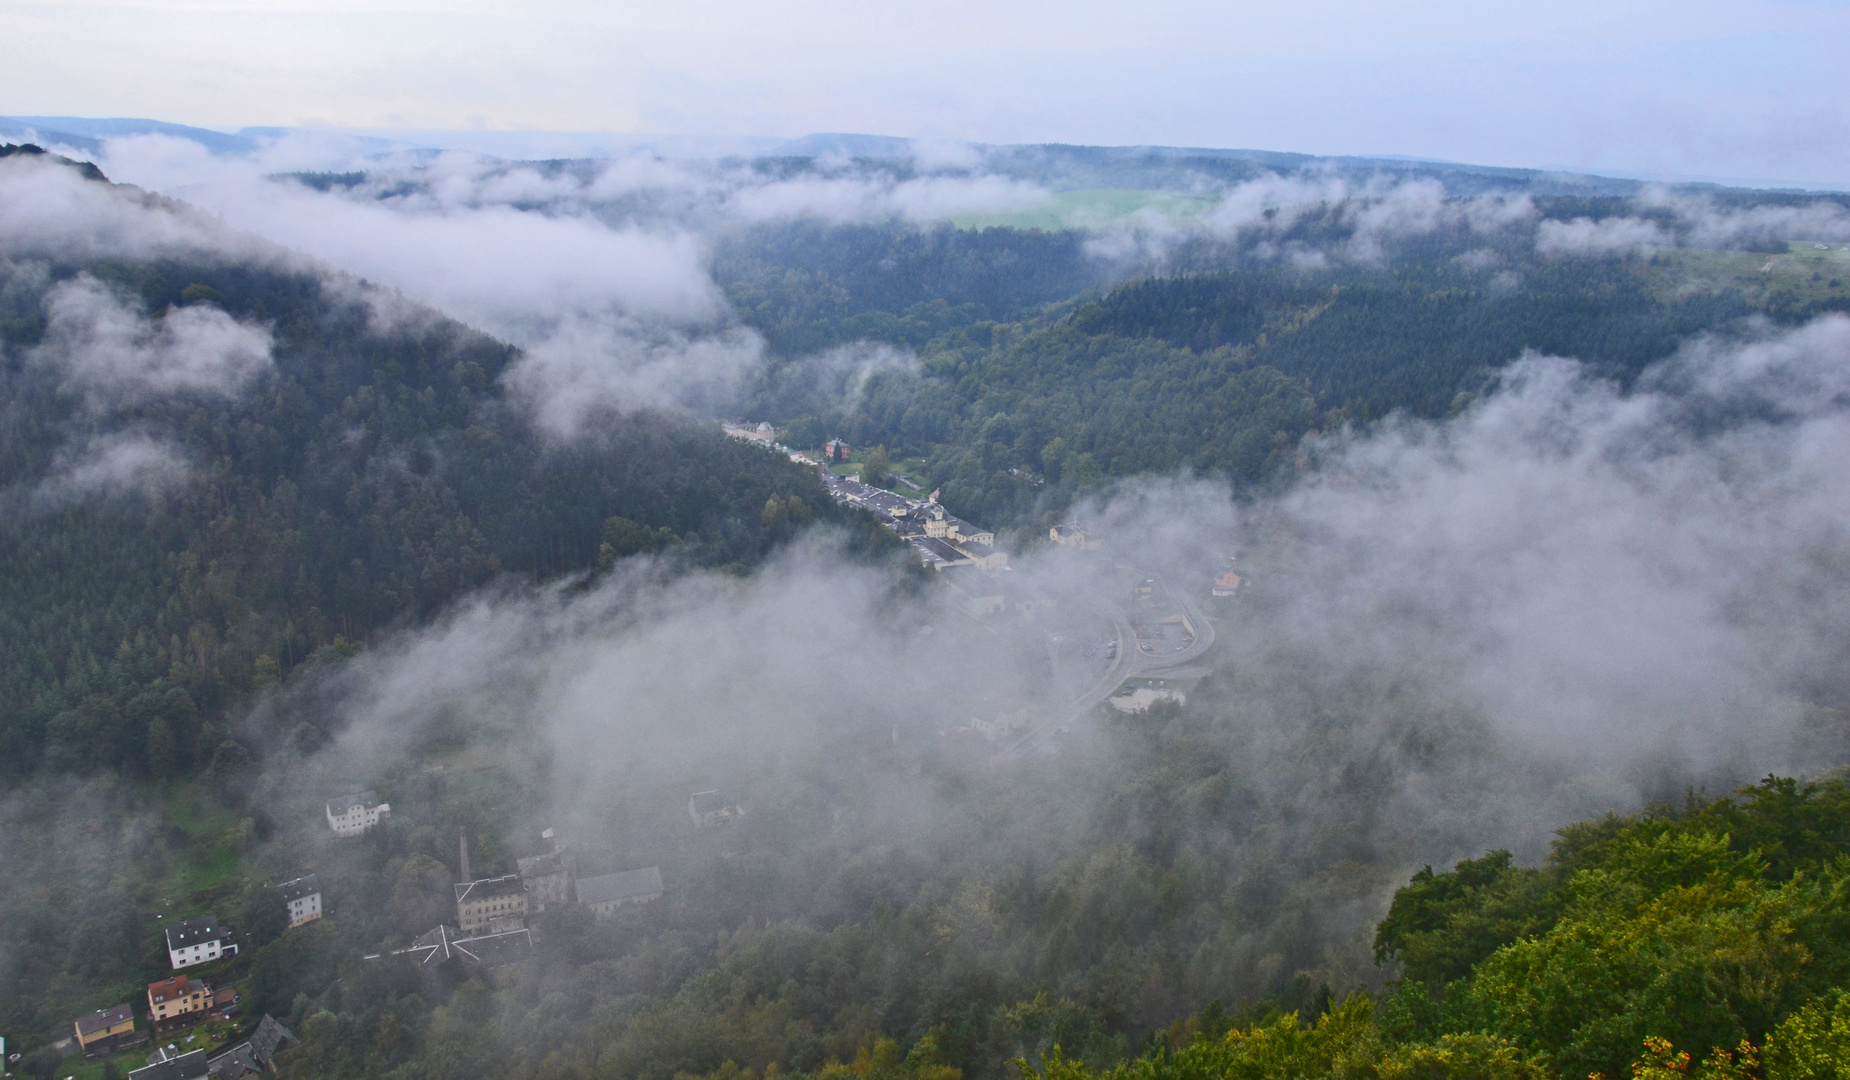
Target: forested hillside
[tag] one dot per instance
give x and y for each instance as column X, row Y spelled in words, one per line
column 1707, row 940
column 173, row 542
column 1218, row 365
column 269, row 533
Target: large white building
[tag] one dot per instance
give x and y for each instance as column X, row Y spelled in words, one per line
column 303, row 896
column 198, row 941
column 351, row 815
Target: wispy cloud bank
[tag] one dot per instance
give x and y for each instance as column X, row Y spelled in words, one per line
column 1612, row 576
column 1605, row 236
column 123, row 463
column 108, row 349
column 1568, row 599
column 48, row 210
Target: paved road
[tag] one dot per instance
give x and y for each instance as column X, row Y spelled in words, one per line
column 1204, row 637
column 1130, row 663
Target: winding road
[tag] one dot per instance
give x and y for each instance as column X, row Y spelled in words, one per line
column 1130, row 663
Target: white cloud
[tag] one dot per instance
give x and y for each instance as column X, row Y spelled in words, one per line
column 587, row 364
column 1606, row 574
column 1606, row 236
column 48, row 210
column 126, row 462
column 620, row 315
column 107, row 348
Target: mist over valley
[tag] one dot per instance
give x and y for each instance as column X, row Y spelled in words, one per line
column 914, row 608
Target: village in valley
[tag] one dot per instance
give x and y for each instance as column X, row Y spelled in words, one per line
column 191, row 1024
column 1127, row 638
column 1124, row 638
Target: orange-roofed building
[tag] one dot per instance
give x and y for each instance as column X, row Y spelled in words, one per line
column 178, row 1002
column 1227, row 584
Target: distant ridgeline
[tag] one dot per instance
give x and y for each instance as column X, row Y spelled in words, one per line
column 1220, row 347
column 167, row 547
column 89, row 170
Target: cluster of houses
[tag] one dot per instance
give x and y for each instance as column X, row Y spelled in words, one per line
column 175, row 1004
column 490, row 929
column 180, row 1001
column 492, row 913
column 964, row 555
column 252, row 1057
column 183, row 1001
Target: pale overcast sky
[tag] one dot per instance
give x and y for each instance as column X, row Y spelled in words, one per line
column 1753, row 90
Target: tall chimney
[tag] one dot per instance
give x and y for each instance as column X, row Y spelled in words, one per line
column 463, row 843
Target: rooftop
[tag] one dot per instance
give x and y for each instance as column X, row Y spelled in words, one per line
column 191, row 932
column 237, row 1062
column 306, row 885
column 706, row 802
column 886, row 501
column 488, row 888
column 271, row 1037
column 104, row 1019
column 542, row 865
column 189, row 1066
column 446, row 942
column 178, row 986
column 620, row 886
column 360, row 799
column 971, row 581
column 940, row 550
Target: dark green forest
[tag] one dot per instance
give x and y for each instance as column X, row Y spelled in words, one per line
column 1221, row 367
column 375, row 474
column 1204, row 890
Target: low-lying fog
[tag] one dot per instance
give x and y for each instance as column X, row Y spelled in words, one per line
column 1453, row 636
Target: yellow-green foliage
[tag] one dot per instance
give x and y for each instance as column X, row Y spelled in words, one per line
column 1707, row 943
column 1678, row 936
column 882, row 1061
column 1458, row 1057
column 1343, row 1044
column 1661, row 1061
column 1813, row 1043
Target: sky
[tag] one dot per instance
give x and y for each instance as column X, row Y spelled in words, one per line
column 1748, row 90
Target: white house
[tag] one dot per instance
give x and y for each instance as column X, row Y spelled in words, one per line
column 303, row 896
column 198, row 941
column 351, row 815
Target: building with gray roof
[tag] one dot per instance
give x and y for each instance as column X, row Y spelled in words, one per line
column 198, row 941
column 302, row 896
column 164, row 1064
column 443, row 944
column 605, row 894
column 351, row 815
